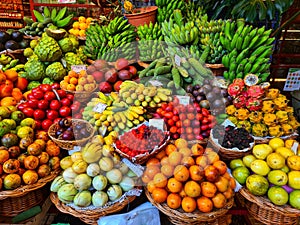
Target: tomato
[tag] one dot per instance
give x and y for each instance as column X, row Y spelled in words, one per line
column 175, row 118
column 55, row 104
column 169, row 108
column 179, row 124
column 170, row 122
column 56, row 120
column 175, row 136
column 52, row 114
column 61, row 93
column 49, row 96
column 30, row 96
column 23, row 106
column 205, row 120
column 70, row 97
column 197, row 130
column 55, row 85
column 65, row 111
column 33, row 103
column 39, row 114
column 159, row 110
column 175, row 112
column 164, row 106
column 38, row 94
column 65, row 101
column 132, row 70
column 43, row 104
column 168, row 115
column 28, row 112
column 173, row 129
column 204, row 127
column 45, row 87
column 38, row 124
column 205, row 112
column 46, row 124
column 196, row 123
column 199, row 116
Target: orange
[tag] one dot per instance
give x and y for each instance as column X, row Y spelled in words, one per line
column 181, row 173
column 174, row 185
column 170, row 148
column 174, row 201
column 161, row 154
column 196, row 173
column 202, row 161
column 164, row 161
column 222, row 184
column 82, row 26
column 66, row 79
column 145, row 178
column 159, row 195
column 11, row 75
column 73, row 80
column 219, row 200
column 151, row 171
column 81, row 19
column 229, row 193
column 151, row 186
column 204, row 204
column 175, row 158
column 185, row 151
column 167, row 170
column 72, row 73
column 188, row 161
column 188, row 204
column 208, row 189
column 221, row 166
column 212, row 157
column 181, row 143
column 160, row 180
column 192, row 189
column 153, row 161
column 71, row 87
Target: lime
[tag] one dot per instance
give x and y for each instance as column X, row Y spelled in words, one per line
column 235, row 163
column 278, row 195
column 240, row 174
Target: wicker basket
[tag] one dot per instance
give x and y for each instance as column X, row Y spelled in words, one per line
column 179, row 217
column 91, row 216
column 263, row 210
column 82, row 96
column 23, row 190
column 142, row 158
column 217, row 69
column 228, row 154
column 264, row 140
column 69, row 145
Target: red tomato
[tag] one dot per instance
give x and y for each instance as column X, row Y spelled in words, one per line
column 38, row 124
column 65, row 111
column 61, row 93
column 45, row 87
column 199, row 116
column 159, row 110
column 168, row 115
column 178, row 123
column 46, row 124
column 52, row 114
column 55, row 85
column 65, row 101
column 164, row 106
column 170, row 122
column 30, row 96
column 205, row 120
column 23, row 106
column 38, row 94
column 55, row 104
column 56, row 120
column 204, row 127
column 175, row 118
column 75, row 107
column 43, row 104
column 33, row 103
column 49, row 95
column 28, row 112
column 39, row 114
column 205, row 112
column 173, row 129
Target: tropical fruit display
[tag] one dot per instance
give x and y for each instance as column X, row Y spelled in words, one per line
column 79, row 27
column 261, row 110
column 26, row 155
column 93, row 177
column 272, row 170
column 166, row 8
column 189, row 177
column 12, row 40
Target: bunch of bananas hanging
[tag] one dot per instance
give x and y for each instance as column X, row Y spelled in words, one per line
column 249, row 50
column 212, row 26
column 166, row 8
column 150, row 42
column 7, row 62
column 175, row 75
column 116, row 40
column 193, row 11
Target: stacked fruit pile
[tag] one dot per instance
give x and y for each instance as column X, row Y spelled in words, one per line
column 261, row 111
column 92, row 177
column 166, row 8
column 272, row 170
column 79, row 27
column 112, row 41
column 189, row 177
column 48, row 105
column 26, row 155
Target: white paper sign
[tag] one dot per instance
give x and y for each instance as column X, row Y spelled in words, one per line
column 155, row 83
column 184, row 100
column 100, row 107
column 292, row 82
column 177, row 60
column 78, row 68
column 158, row 123
column 295, row 147
column 102, row 130
column 137, row 169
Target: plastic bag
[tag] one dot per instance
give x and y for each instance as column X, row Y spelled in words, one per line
column 145, row 214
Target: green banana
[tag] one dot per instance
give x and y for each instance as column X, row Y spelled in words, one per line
column 64, row 22
column 40, row 18
column 61, row 13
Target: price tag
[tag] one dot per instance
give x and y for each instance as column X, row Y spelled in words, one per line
column 177, row 60
column 295, row 147
column 158, row 123
column 137, row 169
column 184, row 100
column 100, row 107
column 102, row 130
column 78, row 68
column 155, row 83
column 75, row 149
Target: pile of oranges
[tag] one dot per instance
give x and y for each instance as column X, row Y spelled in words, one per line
column 79, row 27
column 190, row 177
column 78, row 82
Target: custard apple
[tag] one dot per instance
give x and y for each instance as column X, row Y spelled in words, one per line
column 72, row 59
column 56, row 71
column 74, row 41
column 81, row 54
column 48, row 49
column 34, row 69
column 66, row 45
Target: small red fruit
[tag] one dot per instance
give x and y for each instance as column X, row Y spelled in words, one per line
column 39, row 114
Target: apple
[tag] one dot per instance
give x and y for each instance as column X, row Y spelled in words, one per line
column 38, row 124
column 98, row 76
column 55, row 104
column 55, row 85
column 117, row 85
column 70, row 97
column 121, row 64
column 105, row 87
column 111, row 75
column 100, row 64
column 132, row 70
column 91, row 69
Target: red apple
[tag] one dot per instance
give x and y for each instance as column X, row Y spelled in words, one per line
column 105, row 87
column 55, row 85
column 132, row 70
column 28, row 112
column 39, row 114
column 52, row 114
column 117, row 85
column 45, row 87
column 65, row 101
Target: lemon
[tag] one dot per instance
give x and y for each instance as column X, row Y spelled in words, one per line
column 260, row 167
column 276, row 142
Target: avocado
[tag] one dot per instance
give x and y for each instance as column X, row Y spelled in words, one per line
column 17, row 36
column 12, row 45
column 4, row 37
column 24, row 43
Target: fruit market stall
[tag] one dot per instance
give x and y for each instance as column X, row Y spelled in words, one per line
column 98, row 113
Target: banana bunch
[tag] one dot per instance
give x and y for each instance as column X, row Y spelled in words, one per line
column 249, row 50
column 208, row 27
column 166, row 8
column 193, row 11
column 7, row 62
column 150, row 42
column 110, row 42
column 187, row 34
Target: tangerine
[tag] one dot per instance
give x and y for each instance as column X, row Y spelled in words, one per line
column 185, row 151
column 221, row 166
column 161, row 154
column 159, row 195
column 208, row 189
column 151, row 186
column 160, row 180
column 151, row 171
column 145, row 178
column 188, row 204
column 181, row 143
column 192, row 189
column 170, row 148
column 219, row 200
column 164, row 161
column 11, row 75
column 153, row 161
column 204, row 204
column 212, row 156
column 229, row 193
column 188, row 161
column 182, row 193
column 181, row 173
column 202, row 161
column 196, row 173
column 174, row 201
column 174, row 185
column 232, row 183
